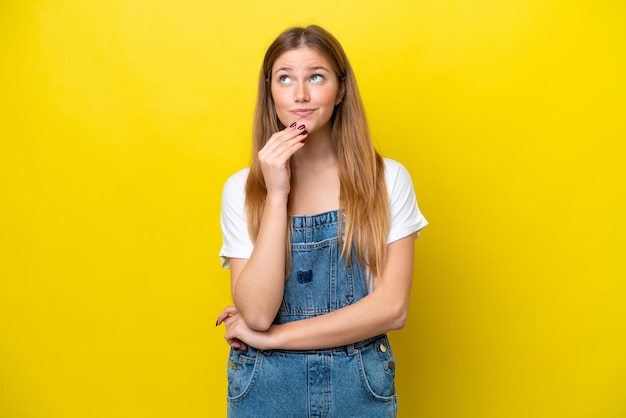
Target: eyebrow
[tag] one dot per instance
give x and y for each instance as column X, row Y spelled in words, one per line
column 317, row 68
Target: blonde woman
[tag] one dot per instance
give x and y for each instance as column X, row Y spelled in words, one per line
column 319, row 237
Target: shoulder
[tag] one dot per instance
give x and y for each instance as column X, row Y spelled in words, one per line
column 392, row 165
column 234, row 191
column 235, row 185
column 405, row 214
column 236, row 241
column 237, row 180
column 395, row 174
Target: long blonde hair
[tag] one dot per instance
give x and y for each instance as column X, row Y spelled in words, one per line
column 361, row 169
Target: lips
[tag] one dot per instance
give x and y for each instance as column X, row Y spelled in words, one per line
column 302, row 112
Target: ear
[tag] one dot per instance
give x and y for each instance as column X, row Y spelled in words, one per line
column 341, row 92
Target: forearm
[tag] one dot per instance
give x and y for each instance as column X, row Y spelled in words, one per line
column 383, row 310
column 258, row 290
column 373, row 315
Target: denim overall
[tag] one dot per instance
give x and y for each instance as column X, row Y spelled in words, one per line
column 356, row 380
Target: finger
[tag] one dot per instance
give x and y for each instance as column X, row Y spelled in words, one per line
column 279, row 153
column 287, row 135
column 228, row 311
column 236, row 343
column 239, row 345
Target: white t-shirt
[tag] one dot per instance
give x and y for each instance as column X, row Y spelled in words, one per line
column 406, row 217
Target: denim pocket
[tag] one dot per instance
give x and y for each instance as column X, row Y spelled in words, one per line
column 377, row 368
column 320, row 281
column 242, row 371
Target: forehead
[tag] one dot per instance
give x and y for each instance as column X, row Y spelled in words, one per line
column 301, row 58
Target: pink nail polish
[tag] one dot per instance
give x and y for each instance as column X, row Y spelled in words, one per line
column 293, row 125
column 301, row 127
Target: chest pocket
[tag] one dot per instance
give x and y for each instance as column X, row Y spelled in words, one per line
column 320, row 281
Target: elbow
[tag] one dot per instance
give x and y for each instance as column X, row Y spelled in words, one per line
column 257, row 317
column 398, row 319
column 259, row 323
column 395, row 314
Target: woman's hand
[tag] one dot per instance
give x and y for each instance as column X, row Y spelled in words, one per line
column 274, row 157
column 239, row 335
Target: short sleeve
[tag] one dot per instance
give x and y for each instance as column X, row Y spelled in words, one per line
column 236, row 241
column 405, row 215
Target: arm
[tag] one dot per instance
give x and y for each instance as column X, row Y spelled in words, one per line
column 257, row 284
column 383, row 310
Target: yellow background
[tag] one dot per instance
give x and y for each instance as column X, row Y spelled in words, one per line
column 120, row 121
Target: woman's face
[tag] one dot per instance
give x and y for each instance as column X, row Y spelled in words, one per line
column 305, row 89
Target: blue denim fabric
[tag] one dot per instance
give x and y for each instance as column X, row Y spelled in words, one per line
column 351, row 381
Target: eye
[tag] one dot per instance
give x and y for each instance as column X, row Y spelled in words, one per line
column 284, row 79
column 317, row 78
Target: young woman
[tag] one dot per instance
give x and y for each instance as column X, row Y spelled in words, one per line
column 319, row 238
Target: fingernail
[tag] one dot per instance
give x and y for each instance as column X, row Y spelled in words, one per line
column 301, row 127
column 304, row 132
column 303, row 141
column 217, row 322
column 293, row 125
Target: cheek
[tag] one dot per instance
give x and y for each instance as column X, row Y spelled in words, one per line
column 279, row 101
column 280, row 109
column 330, row 96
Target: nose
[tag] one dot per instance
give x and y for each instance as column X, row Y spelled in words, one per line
column 301, row 93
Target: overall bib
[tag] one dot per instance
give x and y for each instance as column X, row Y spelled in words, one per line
column 356, row 380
